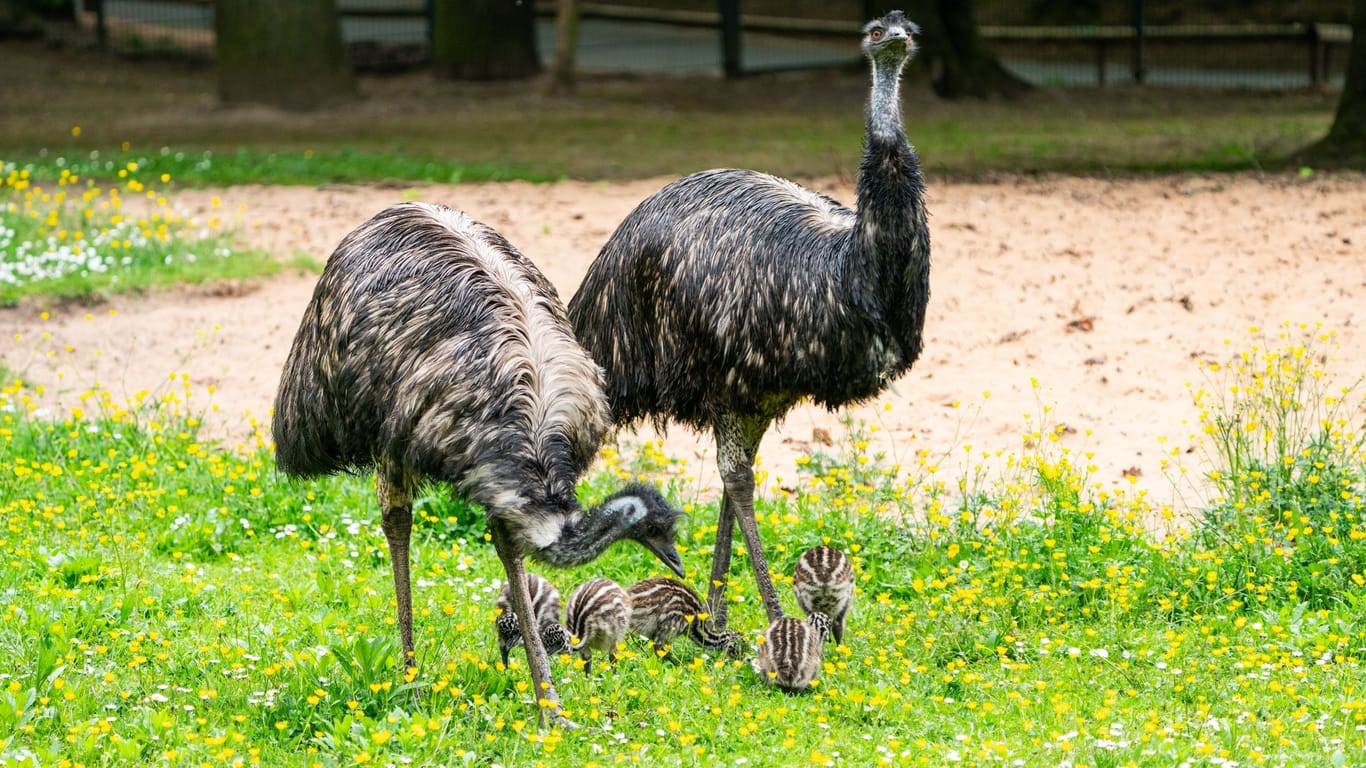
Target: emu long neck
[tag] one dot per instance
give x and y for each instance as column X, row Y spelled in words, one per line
column 889, row 183
column 891, row 246
column 583, row 536
column 884, row 105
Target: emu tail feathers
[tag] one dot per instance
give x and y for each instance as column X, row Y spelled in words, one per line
column 307, row 442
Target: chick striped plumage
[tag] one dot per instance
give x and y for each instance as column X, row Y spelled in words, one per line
column 545, row 607
column 824, row 583
column 663, row 608
column 597, row 617
column 790, row 651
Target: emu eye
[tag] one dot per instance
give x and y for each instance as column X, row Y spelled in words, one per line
column 875, row 34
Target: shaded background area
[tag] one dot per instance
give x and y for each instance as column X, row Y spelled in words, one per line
column 1214, row 43
column 802, row 125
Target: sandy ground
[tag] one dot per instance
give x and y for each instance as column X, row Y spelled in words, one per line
column 1107, row 293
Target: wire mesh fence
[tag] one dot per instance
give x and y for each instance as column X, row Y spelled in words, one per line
column 1083, row 43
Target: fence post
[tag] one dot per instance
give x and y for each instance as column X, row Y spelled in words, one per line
column 1317, row 56
column 101, row 31
column 429, row 12
column 1140, row 33
column 730, row 37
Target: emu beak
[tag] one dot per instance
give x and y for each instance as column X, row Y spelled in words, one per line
column 667, row 554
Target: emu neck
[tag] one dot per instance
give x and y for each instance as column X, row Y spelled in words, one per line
column 890, row 188
column 583, row 536
column 884, row 105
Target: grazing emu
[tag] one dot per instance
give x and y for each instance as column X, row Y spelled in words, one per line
column 545, row 607
column 824, row 583
column 662, row 609
column 432, row 349
column 790, row 651
column 729, row 295
column 597, row 617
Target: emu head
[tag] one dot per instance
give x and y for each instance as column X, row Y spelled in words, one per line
column 733, row 645
column 648, row 519
column 555, row 638
column 509, row 633
column 821, row 623
column 890, row 38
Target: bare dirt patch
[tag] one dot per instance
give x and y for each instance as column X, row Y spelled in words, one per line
column 1105, row 293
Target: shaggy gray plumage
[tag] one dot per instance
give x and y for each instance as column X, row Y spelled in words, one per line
column 432, row 349
column 729, row 295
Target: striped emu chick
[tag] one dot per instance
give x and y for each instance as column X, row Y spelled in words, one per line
column 790, row 651
column 662, row 609
column 824, row 583
column 597, row 617
column 545, row 612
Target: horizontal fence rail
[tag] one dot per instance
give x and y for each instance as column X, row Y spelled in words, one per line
column 632, row 38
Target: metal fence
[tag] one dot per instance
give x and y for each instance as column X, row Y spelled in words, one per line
column 707, row 37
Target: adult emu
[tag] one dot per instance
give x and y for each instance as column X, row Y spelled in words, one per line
column 729, row 295
column 432, row 349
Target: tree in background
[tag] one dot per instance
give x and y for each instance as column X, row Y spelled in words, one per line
column 484, row 39
column 566, row 45
column 286, row 55
column 1345, row 144
column 959, row 61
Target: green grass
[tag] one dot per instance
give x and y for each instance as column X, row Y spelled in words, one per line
column 244, row 166
column 171, row 601
column 74, row 239
column 415, row 128
column 985, row 139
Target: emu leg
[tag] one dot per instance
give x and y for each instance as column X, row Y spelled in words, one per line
column 396, row 520
column 544, row 688
column 720, row 562
column 743, row 483
column 737, row 442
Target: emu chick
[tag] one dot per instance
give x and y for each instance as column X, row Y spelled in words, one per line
column 545, row 610
column 597, row 617
column 663, row 608
column 824, row 583
column 790, row 651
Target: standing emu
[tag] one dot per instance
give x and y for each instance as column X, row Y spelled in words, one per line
column 729, row 295
column 432, row 349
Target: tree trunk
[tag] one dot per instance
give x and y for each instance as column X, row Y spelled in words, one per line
column 485, row 39
column 959, row 62
column 1345, row 144
column 286, row 55
column 566, row 45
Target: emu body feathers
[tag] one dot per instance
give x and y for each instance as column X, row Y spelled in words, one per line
column 729, row 295
column 778, row 284
column 432, row 349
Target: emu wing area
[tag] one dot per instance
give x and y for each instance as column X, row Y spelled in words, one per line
column 422, row 349
column 733, row 291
